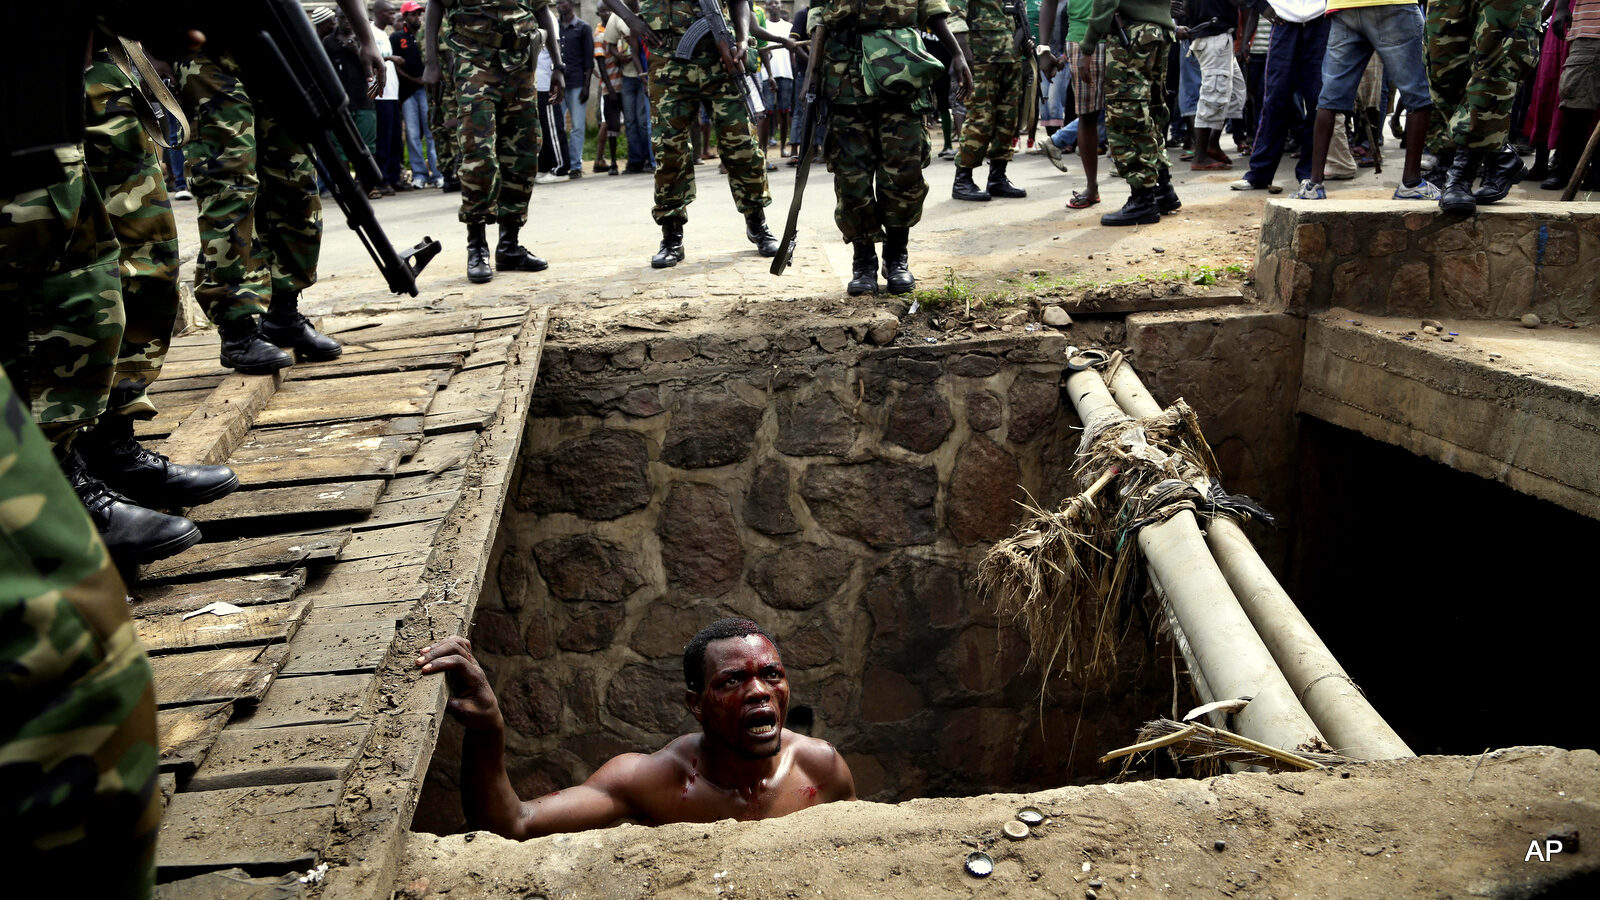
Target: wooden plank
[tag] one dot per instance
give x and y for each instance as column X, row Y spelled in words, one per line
column 468, row 402
column 242, row 590
column 412, row 543
column 167, row 384
column 370, row 581
column 276, row 828
column 218, row 425
column 185, row 734
column 309, row 470
column 241, row 673
column 300, row 507
column 276, row 553
column 332, row 409
column 339, row 649
column 247, row 757
column 310, row 700
column 381, row 362
column 419, row 326
column 261, row 624
column 305, row 441
column 410, row 488
column 386, row 611
column 439, row 453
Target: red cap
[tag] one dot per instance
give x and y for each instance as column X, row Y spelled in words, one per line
column 410, row 6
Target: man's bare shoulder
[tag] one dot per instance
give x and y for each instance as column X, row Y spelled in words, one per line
column 822, row 763
column 666, row 764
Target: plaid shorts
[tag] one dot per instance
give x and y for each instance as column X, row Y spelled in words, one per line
column 1088, row 78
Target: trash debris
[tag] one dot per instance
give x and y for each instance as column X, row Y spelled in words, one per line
column 218, row 608
column 1030, row 815
column 1226, row 707
column 1015, row 830
column 979, row 864
column 1434, row 322
column 314, row 876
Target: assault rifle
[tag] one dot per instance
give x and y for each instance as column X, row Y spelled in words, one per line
column 285, row 67
column 712, row 22
column 1026, row 48
column 808, row 133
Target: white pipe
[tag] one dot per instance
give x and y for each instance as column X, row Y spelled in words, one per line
column 1230, row 657
column 1340, row 710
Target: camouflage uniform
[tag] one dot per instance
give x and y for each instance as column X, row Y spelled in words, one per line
column 78, row 757
column 260, row 218
column 677, row 87
column 871, row 140
column 444, row 113
column 493, row 44
column 59, row 270
column 1479, row 51
column 123, row 163
column 1136, row 101
column 994, row 110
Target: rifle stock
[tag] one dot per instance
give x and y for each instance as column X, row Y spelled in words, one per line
column 813, row 94
column 285, row 66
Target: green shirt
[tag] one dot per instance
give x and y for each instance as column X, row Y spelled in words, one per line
column 1077, row 20
column 990, row 32
column 1100, row 24
column 481, row 30
column 841, row 72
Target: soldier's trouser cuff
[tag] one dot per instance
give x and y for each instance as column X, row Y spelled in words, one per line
column 514, row 221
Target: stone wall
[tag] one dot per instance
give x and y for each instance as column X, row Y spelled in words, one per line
column 1400, row 258
column 839, row 493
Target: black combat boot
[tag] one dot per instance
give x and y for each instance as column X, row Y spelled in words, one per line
column 149, row 479
column 1166, row 197
column 965, row 188
column 1457, row 198
column 245, row 351
column 283, row 325
column 896, row 259
column 999, row 184
column 478, row 271
column 1501, row 170
column 510, row 256
column 1569, row 149
column 755, row 228
column 132, row 533
column 864, row 269
column 1141, row 209
column 671, row 252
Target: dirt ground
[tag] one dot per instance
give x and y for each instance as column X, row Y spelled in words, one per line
column 1434, row 827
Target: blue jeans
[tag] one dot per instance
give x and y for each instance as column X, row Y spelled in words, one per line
column 180, row 182
column 580, row 129
column 1055, row 106
column 1395, row 32
column 1188, row 80
column 424, row 165
column 1293, row 70
column 1068, row 134
column 636, row 121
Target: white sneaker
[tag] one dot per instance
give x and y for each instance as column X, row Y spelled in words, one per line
column 1310, row 190
column 182, row 195
column 1053, row 153
column 548, row 178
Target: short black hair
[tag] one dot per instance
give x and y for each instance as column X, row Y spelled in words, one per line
column 694, row 652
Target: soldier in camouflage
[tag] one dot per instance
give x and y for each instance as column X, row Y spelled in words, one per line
column 444, row 115
column 678, row 87
column 1478, row 53
column 1139, row 37
column 78, row 757
column 493, row 45
column 986, row 32
column 260, row 217
column 878, row 146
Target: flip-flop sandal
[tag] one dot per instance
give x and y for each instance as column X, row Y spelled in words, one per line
column 1214, row 165
column 1081, row 200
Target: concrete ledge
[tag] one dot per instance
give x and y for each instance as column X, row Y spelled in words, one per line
column 1402, row 258
column 1530, row 419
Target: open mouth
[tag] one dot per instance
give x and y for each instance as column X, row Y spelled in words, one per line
column 761, row 724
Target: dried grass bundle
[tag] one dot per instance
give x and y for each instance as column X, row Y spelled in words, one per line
column 1069, row 576
column 1203, row 744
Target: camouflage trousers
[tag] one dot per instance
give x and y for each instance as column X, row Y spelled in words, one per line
column 260, row 218
column 1136, row 103
column 78, row 757
column 123, row 163
column 677, row 88
column 59, row 284
column 1479, row 51
column 994, row 112
column 499, row 114
column 444, row 116
column 876, row 153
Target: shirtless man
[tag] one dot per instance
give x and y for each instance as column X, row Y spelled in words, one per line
column 742, row 765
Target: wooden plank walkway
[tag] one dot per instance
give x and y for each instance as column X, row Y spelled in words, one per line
column 270, row 639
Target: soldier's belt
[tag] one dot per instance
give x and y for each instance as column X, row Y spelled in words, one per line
column 494, row 37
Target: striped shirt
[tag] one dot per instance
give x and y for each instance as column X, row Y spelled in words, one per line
column 1585, row 20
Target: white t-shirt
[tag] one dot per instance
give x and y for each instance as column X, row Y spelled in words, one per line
column 541, row 75
column 391, row 81
column 1299, row 10
column 782, row 66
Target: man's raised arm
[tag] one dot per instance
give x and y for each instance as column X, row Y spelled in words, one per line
column 490, row 801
